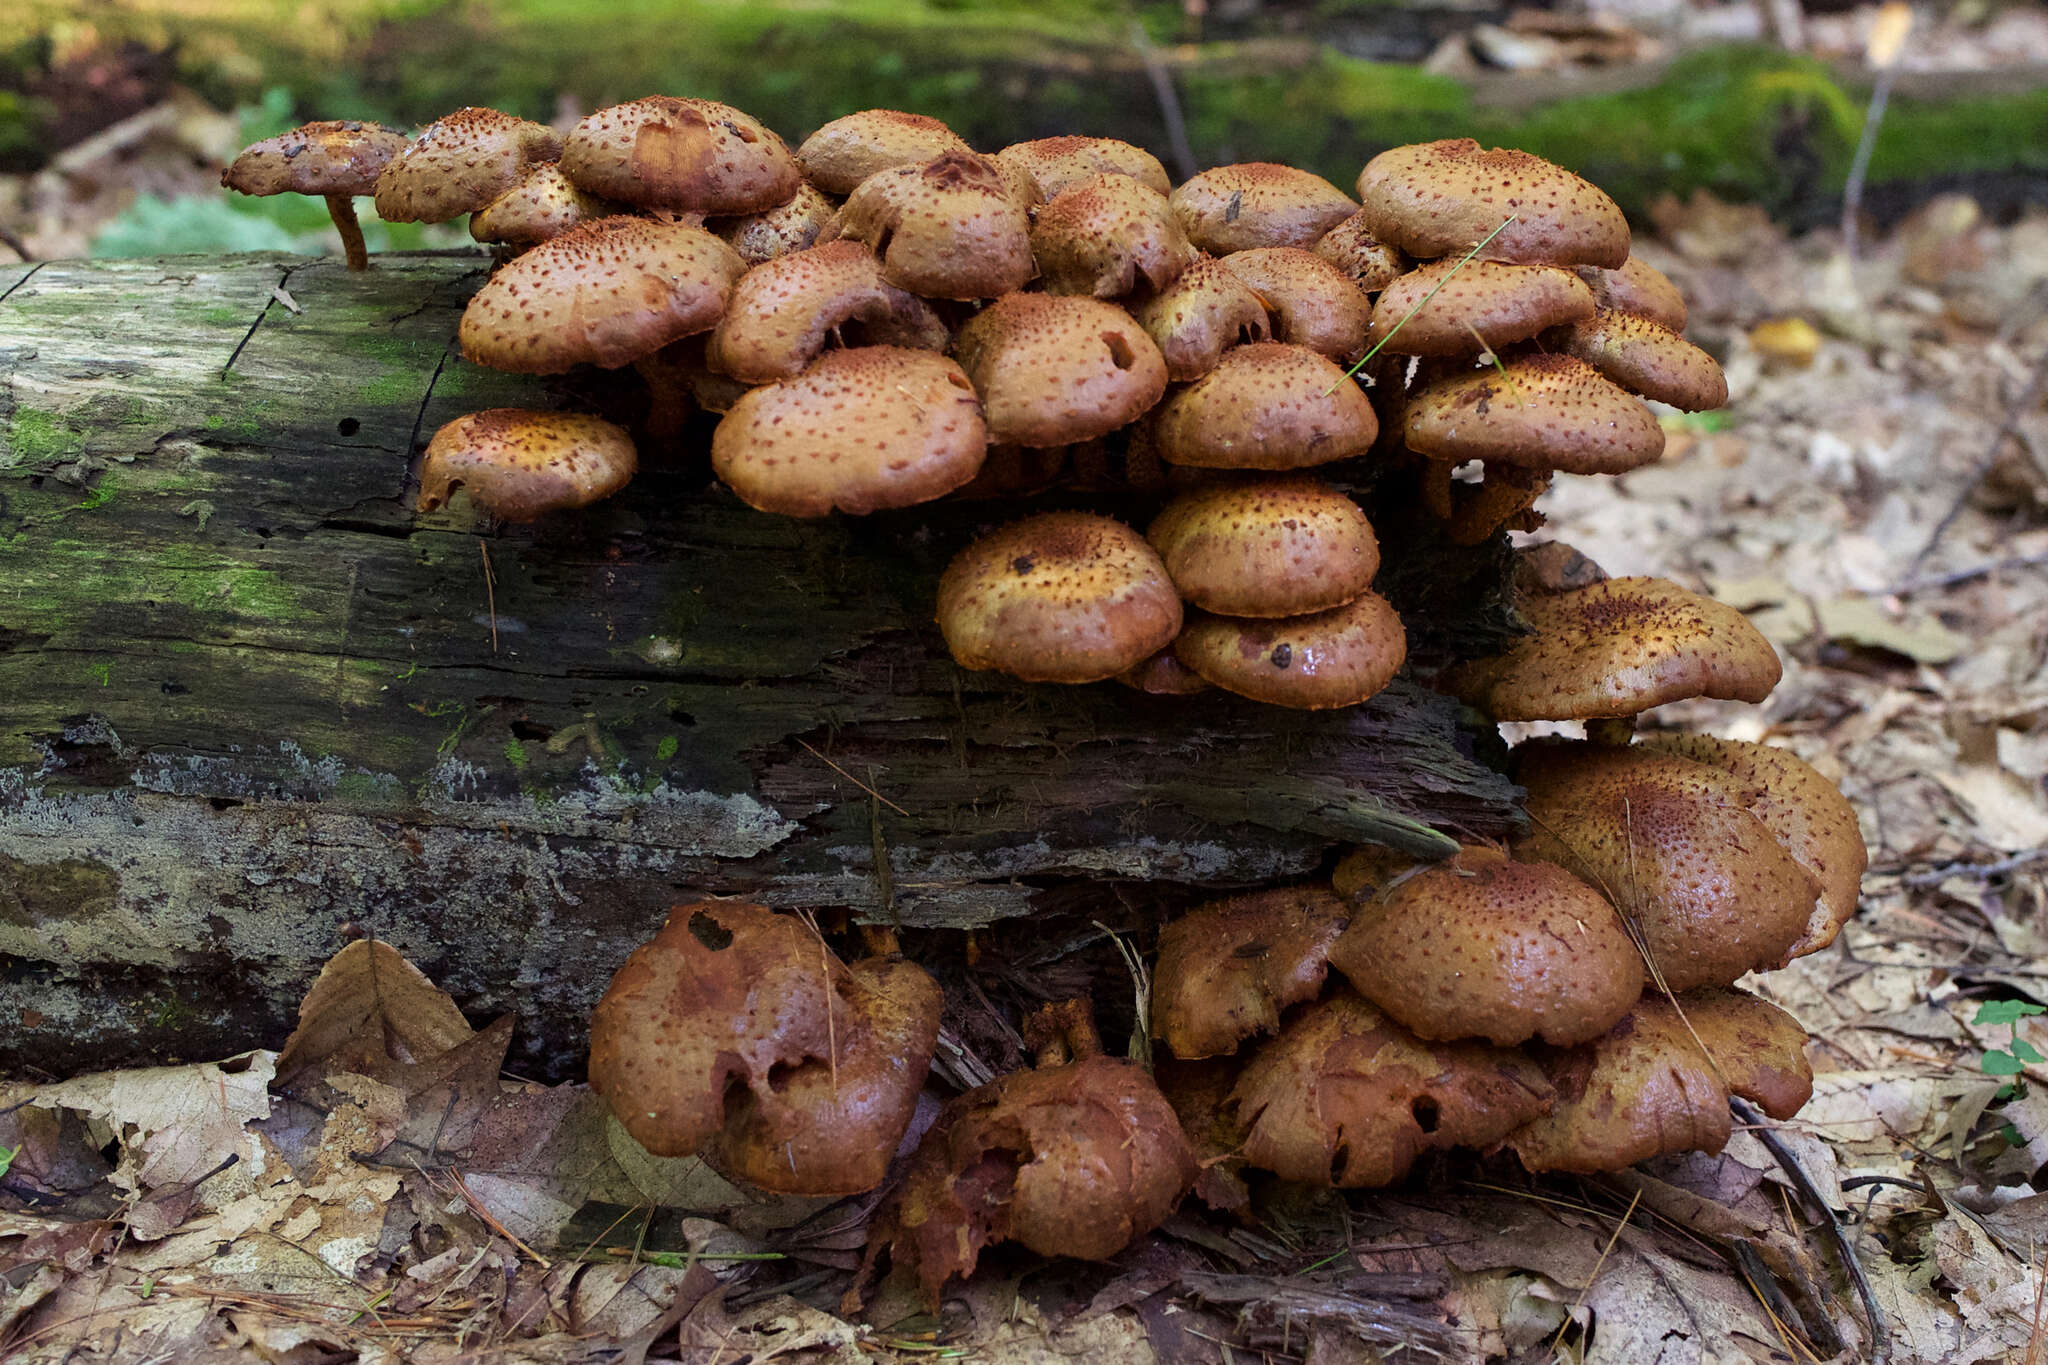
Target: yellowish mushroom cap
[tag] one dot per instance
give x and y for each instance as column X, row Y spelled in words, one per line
column 1337, row 657
column 1365, row 260
column 1312, row 302
column 1646, row 357
column 541, row 205
column 460, row 163
column 1054, row 369
column 1474, row 306
column 1258, row 203
column 785, row 311
column 848, row 150
column 1107, row 236
column 1281, row 546
column 1229, row 969
column 519, row 464
column 1435, row 199
column 794, row 226
column 947, row 229
column 1267, row 405
column 1053, row 163
column 1199, row 316
column 1637, row 287
column 684, row 155
column 335, row 156
column 1540, row 411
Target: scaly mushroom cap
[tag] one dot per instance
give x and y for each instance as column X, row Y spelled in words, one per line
column 1366, row 261
column 1545, row 412
column 1060, row 597
column 1266, row 405
column 860, row 430
column 1199, row 316
column 1481, row 946
column 1480, row 305
column 1105, row 235
column 1646, row 357
column 1337, row 657
column 1162, row 675
column 1806, row 812
column 337, row 156
column 1268, row 547
column 783, row 312
column 1647, row 1089
column 848, row 150
column 1258, row 203
column 685, row 155
column 1347, row 1097
column 1674, row 846
column 794, row 226
column 1053, row 369
column 947, row 229
column 459, row 164
column 1226, row 971
column 1313, row 303
column 518, row 464
column 1616, row 648
column 542, row 205
column 1051, row 164
column 1637, row 287
column 1441, row 198
column 605, row 293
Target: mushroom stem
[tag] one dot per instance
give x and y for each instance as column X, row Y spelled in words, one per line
column 669, row 403
column 1616, row 732
column 880, row 940
column 342, row 209
column 1061, row 1032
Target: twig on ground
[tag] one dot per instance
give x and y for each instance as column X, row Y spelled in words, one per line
column 490, row 590
column 1985, row 462
column 1949, row 580
column 1980, row 871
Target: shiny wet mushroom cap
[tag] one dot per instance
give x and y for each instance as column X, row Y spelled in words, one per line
column 794, row 226
column 1365, row 260
column 460, row 163
column 1449, row 309
column 947, row 229
column 1312, row 302
column 1204, row 312
column 783, row 312
column 336, row 159
column 1229, row 970
column 1053, row 370
column 1258, row 203
column 1435, row 199
column 684, row 155
column 518, row 464
column 1266, row 405
column 848, row 150
column 1645, row 357
column 1539, row 411
column 1053, row 163
column 1275, row 546
column 541, row 205
column 1337, row 657
column 1637, row 287
column 1108, row 236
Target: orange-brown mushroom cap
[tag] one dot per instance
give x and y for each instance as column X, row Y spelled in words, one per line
column 1107, row 235
column 1227, row 970
column 518, row 464
column 1258, row 203
column 1053, row 369
column 1444, row 309
column 685, row 155
column 460, row 163
column 849, row 149
column 334, row 156
column 793, row 226
column 1053, row 163
column 1203, row 313
column 947, row 229
column 1313, row 303
column 1439, row 198
column 1365, row 260
column 1162, row 675
column 1539, row 411
column 1266, row 405
column 542, row 204
column 1637, row 287
column 1646, row 357
column 782, row 313
column 1337, row 657
column 1277, row 546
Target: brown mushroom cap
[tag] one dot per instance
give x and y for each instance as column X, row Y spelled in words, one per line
column 1337, row 657
column 1481, row 946
column 1646, row 357
column 1258, row 203
column 1059, row 597
column 1313, row 303
column 948, row 229
column 1266, row 405
column 1199, row 316
column 1544, row 412
column 1439, row 198
column 1366, row 261
column 1347, row 1097
column 1477, row 305
column 860, row 430
column 541, row 205
column 783, row 312
column 1227, row 970
column 1053, row 163
column 1106, row 234
column 1053, row 369
column 460, row 163
column 848, row 150
column 686, row 155
column 1616, row 648
column 337, row 156
column 1637, row 287
column 1162, row 675
column 1267, row 547
column 794, row 226
column 518, row 464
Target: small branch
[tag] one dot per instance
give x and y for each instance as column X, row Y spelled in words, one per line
column 2005, row 430
column 1979, row 871
column 1183, row 153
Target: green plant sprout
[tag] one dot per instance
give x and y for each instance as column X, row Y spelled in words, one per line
column 2014, row 1058
column 1423, row 302
column 7, row 1155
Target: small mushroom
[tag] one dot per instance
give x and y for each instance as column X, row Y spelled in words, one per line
column 1162, row 675
column 1646, row 357
column 518, row 464
column 682, row 155
column 1107, row 236
column 1226, row 971
column 1053, row 369
column 1435, row 199
column 1053, row 163
column 1312, row 302
column 1637, row 287
column 1450, row 308
column 1268, row 547
column 1365, row 260
column 1337, row 657
column 794, row 226
column 848, row 150
column 1539, row 411
column 782, row 313
column 1207, row 310
column 1258, row 203
column 460, row 163
column 335, row 159
column 541, row 205
column 946, row 229
column 1266, row 405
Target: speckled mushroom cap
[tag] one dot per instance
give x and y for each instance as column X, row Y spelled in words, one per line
column 1617, row 648
column 1060, row 597
column 1806, row 812
column 1312, row 302
column 1646, row 357
column 1266, row 405
column 1200, row 315
column 1672, row 844
column 947, row 229
column 783, row 312
column 1052, row 370
column 794, row 226
column 1229, row 969
column 605, row 293
column 1347, row 1097
column 1258, row 203
column 460, row 163
column 686, row 155
column 1441, row 198
column 1268, row 547
column 1053, row 163
column 1331, row 658
column 848, row 150
column 542, row 205
column 862, row 429
column 1106, row 235
column 1366, row 261
column 1637, row 287
column 1481, row 946
column 518, row 464
column 1545, row 412
column 1479, row 305
column 1647, row 1089
column 336, row 156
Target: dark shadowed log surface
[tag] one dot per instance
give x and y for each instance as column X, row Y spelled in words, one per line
column 250, row 706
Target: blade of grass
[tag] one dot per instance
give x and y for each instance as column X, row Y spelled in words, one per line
column 1422, row 303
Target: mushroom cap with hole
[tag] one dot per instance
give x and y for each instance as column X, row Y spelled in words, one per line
column 1059, row 597
column 783, row 312
column 1273, row 546
column 1637, row 287
column 1442, row 198
column 1107, row 236
column 333, row 156
column 1673, row 845
column 1229, row 969
column 604, row 293
column 1443, row 308
column 1347, row 1097
column 1054, row 369
column 1053, row 163
column 1540, row 411
column 947, row 229
column 518, row 464
column 849, row 149
column 685, row 155
column 1481, row 946
column 541, row 205
column 862, row 429
column 1258, row 203
column 1312, row 302
column 1199, row 316
column 1617, row 648
column 794, row 226
column 1266, row 405
column 1645, row 357
column 460, row 163
column 1162, row 675
column 1366, row 261
column 1330, row 658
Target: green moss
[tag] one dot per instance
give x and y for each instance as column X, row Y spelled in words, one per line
column 34, row 437
column 515, row 753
